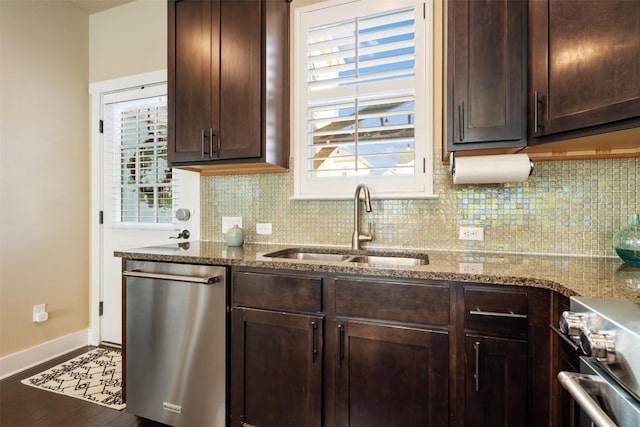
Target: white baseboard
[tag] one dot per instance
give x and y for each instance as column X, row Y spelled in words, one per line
column 18, row 362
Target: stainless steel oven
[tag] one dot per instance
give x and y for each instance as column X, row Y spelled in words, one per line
column 607, row 388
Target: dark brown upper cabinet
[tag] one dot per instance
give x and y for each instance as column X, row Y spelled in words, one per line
column 486, row 74
column 584, row 67
column 228, row 85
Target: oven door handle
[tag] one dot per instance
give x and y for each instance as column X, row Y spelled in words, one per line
column 571, row 382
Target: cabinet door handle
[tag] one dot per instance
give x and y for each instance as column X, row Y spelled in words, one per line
column 202, row 144
column 497, row 314
column 535, row 112
column 476, row 347
column 461, row 120
column 340, row 345
column 314, row 348
column 211, row 135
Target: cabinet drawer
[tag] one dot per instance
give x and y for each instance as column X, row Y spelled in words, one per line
column 395, row 301
column 277, row 292
column 496, row 310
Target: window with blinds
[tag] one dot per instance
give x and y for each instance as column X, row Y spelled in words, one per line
column 362, row 89
column 142, row 181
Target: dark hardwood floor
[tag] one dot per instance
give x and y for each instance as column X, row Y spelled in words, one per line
column 24, row 406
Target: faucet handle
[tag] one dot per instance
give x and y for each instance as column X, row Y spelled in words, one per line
column 367, row 237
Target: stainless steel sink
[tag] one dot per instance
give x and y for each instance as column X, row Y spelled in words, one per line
column 374, row 259
column 390, row 260
column 310, row 256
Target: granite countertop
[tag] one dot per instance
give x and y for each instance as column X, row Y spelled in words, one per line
column 600, row 277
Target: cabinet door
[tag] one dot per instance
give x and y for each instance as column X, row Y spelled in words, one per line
column 585, row 60
column 276, row 364
column 193, row 79
column 240, row 132
column 391, row 376
column 495, row 382
column 215, row 80
column 486, row 42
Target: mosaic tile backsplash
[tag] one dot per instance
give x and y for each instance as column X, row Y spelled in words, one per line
column 567, row 207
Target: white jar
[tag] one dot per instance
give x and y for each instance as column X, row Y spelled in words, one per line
column 235, row 236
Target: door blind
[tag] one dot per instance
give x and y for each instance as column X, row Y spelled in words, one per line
column 136, row 133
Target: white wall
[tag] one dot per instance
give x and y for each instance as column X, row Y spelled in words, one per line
column 129, row 39
column 44, row 107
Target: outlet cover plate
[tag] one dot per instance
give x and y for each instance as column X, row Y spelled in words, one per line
column 230, row 221
column 38, row 309
column 471, row 233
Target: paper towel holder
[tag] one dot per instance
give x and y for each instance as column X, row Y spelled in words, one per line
column 452, row 165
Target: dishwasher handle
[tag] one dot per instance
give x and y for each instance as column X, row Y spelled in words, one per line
column 173, row 277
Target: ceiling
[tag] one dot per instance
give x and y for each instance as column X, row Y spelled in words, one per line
column 94, row 6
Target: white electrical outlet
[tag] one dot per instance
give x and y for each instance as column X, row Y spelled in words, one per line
column 39, row 313
column 230, row 221
column 471, row 267
column 471, row 233
column 264, row 228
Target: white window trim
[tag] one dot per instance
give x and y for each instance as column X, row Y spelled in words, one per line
column 340, row 187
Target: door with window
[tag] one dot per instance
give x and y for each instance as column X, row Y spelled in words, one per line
column 140, row 192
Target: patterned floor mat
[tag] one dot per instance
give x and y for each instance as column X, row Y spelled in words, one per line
column 95, row 376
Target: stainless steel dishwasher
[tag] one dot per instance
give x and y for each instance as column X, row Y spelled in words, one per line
column 176, row 335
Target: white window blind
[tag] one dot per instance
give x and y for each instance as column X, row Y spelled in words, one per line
column 135, row 136
column 361, row 99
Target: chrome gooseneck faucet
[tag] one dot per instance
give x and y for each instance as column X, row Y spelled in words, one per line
column 358, row 237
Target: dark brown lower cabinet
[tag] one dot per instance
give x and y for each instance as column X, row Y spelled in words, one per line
column 277, row 368
column 391, row 376
column 495, row 381
column 314, row 349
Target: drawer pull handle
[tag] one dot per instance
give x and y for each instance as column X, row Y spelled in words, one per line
column 497, row 314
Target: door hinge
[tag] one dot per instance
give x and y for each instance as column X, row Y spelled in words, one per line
column 424, row 165
column 101, row 126
column 101, row 217
column 424, row 10
column 100, row 308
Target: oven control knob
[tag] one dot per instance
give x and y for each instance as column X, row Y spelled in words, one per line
column 599, row 345
column 572, row 323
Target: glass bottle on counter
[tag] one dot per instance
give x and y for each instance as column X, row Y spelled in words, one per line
column 626, row 242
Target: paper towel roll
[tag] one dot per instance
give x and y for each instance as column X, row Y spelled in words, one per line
column 491, row 169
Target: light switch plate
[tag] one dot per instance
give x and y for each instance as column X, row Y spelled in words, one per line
column 264, row 228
